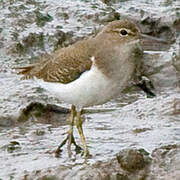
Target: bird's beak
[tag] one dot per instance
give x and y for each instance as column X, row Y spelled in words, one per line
column 145, row 37
column 153, row 43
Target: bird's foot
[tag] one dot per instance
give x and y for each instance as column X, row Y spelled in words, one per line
column 59, row 150
column 71, row 140
column 86, row 154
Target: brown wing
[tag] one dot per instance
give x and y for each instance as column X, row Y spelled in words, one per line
column 64, row 65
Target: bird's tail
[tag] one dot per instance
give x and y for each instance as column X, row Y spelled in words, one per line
column 24, row 69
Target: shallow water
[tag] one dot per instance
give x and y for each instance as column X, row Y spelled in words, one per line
column 145, row 123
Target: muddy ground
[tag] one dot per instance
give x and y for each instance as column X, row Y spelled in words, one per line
column 132, row 137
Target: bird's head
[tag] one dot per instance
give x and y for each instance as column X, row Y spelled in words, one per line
column 123, row 30
column 126, row 30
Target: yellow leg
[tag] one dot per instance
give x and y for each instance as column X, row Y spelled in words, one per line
column 70, row 132
column 70, row 137
column 80, row 130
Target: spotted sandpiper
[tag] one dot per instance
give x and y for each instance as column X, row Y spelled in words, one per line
column 89, row 72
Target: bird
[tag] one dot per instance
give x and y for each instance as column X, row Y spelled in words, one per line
column 89, row 72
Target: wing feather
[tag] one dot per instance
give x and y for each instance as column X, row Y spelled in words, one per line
column 64, row 65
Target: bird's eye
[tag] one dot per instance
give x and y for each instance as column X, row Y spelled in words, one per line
column 123, row 32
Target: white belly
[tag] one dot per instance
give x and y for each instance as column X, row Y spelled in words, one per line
column 91, row 88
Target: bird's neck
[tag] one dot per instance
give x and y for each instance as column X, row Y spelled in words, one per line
column 112, row 55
